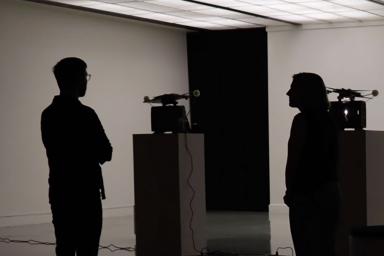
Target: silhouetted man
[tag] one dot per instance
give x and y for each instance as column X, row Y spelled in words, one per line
column 76, row 146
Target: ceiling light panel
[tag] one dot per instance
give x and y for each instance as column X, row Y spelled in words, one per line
column 261, row 2
column 192, row 15
column 326, row 17
column 226, row 14
column 358, row 4
column 257, row 9
column 359, row 15
column 115, row 8
column 224, row 3
column 206, row 25
column 76, row 2
column 162, row 17
column 183, row 5
column 298, row 1
column 149, row 6
column 220, row 13
column 256, row 20
column 233, row 22
column 302, row 7
column 325, row 6
column 226, row 22
column 292, row 8
column 299, row 19
column 378, row 12
column 115, row 1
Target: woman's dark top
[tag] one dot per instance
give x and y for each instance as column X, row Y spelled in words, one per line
column 312, row 155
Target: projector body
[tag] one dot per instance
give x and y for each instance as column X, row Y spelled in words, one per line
column 349, row 114
column 169, row 119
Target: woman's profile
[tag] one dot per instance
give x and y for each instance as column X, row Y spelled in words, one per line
column 312, row 192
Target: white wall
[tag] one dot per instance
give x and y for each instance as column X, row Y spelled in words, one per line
column 348, row 57
column 127, row 60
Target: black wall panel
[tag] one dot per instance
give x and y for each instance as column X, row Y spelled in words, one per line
column 230, row 70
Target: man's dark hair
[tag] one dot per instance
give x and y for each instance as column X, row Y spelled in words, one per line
column 68, row 70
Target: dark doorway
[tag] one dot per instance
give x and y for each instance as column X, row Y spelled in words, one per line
column 230, row 70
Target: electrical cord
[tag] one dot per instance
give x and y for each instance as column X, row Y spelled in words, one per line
column 114, row 248
column 193, row 194
column 31, row 242
column 110, row 247
column 203, row 251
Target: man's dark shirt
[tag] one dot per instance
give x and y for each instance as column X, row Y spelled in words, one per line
column 76, row 145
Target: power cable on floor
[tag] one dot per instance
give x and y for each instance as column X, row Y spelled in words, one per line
column 114, row 248
column 110, row 247
column 31, row 242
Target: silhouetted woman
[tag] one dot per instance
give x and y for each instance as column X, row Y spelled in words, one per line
column 311, row 173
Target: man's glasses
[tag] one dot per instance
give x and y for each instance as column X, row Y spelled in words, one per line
column 88, row 77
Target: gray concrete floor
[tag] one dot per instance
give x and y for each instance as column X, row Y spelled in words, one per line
column 245, row 233
column 117, row 231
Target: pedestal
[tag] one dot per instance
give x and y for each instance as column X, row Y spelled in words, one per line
column 169, row 194
column 361, row 165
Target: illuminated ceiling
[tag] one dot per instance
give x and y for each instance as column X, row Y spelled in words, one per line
column 234, row 14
